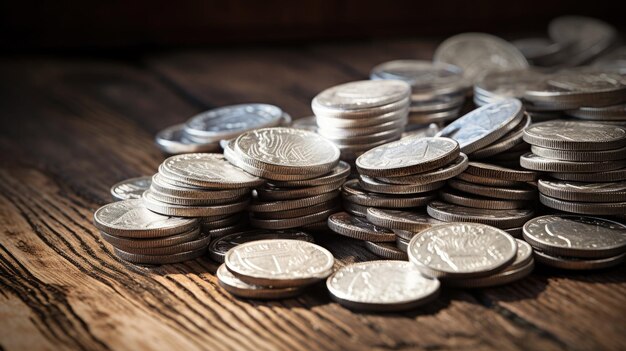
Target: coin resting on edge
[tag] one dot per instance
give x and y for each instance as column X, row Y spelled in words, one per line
column 130, row 188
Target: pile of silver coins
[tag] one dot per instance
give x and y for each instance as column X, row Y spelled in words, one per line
column 203, row 132
column 303, row 174
column 358, row 116
column 438, row 89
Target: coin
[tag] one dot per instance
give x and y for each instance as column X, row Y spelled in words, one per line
column 487, row 170
column 499, row 218
column 201, row 242
column 461, row 250
column 462, row 199
column 360, row 95
column 485, row 180
column 130, row 218
column 208, row 170
column 401, row 220
column 159, row 259
column 576, row 236
column 506, row 142
column 433, row 77
column 130, row 188
column 448, row 171
column 571, row 135
column 341, row 171
column 210, row 223
column 279, row 262
column 164, row 185
column 402, row 244
column 484, row 125
column 219, row 247
column 341, row 133
column 479, row 53
column 536, row 163
column 307, row 123
column 353, row 192
column 586, row 192
column 589, row 208
column 183, row 201
column 608, row 176
column 408, row 156
column 329, row 123
column 125, row 243
column 592, row 156
column 274, row 206
column 153, row 204
column 521, row 192
column 386, row 250
column 615, row 112
column 381, row 286
column 354, row 209
column 272, row 194
column 173, row 140
column 244, row 290
column 358, row 228
column 371, row 184
column 229, row 121
column 577, row 263
column 287, row 223
column 498, row 85
column 589, row 36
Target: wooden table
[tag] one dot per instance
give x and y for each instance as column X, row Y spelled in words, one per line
column 73, row 126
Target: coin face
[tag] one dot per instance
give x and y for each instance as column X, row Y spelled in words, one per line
column 407, row 156
column 421, row 75
column 576, row 236
column 571, row 135
column 130, row 218
column 484, row 125
column 462, row 250
column 210, row 170
column 279, row 262
column 479, row 53
column 362, row 94
column 218, row 248
column 381, row 286
column 287, row 147
column 131, row 188
column 229, row 121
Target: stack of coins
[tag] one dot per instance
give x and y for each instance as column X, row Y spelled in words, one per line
column 274, row 268
column 204, row 186
column 203, row 132
column 576, row 242
column 586, row 164
column 144, row 237
column 493, row 130
column 438, row 89
column 131, row 188
column 303, row 174
column 489, row 194
column 470, row 255
column 358, row 116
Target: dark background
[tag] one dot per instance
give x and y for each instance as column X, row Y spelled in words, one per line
column 138, row 25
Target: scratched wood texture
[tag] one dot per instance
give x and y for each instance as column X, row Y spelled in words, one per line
column 71, row 127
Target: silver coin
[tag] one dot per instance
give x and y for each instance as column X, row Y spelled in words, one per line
column 208, row 170
column 154, row 205
column 503, row 219
column 613, row 113
column 401, row 220
column 130, row 188
column 287, row 151
column 511, row 139
column 360, row 95
column 218, row 248
column 373, row 185
column 479, row 53
column 341, row 171
column 274, row 194
column 576, row 236
column 578, row 263
column 571, row 135
column 241, row 289
column 130, row 218
column 124, row 243
column 173, row 140
column 326, row 123
column 279, row 262
column 436, row 77
column 158, row 259
column 589, row 36
column 306, row 123
column 171, row 187
column 381, row 286
column 462, row 250
column 501, row 85
column 582, row 191
column 229, row 121
column 450, row 170
column 353, row 192
column 408, row 156
column 485, row 125
column 386, row 250
column 358, row 228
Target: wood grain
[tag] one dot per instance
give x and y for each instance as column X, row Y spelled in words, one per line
column 72, row 127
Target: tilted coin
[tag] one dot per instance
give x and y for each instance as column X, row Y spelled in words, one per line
column 401, row 220
column 461, row 250
column 168, row 186
column 536, row 163
column 229, row 121
column 498, row 172
column 576, row 236
column 273, row 194
column 615, row 112
column 173, row 140
column 287, row 223
column 360, row 95
column 153, row 204
column 586, row 192
column 435, row 77
column 211, row 223
column 130, row 188
column 479, row 53
column 506, row 142
column 462, row 199
column 386, row 250
column 448, row 171
column 405, row 235
column 298, row 212
column 521, row 192
column 244, row 290
column 571, row 135
column 341, row 171
column 219, row 247
column 235, row 228
column 130, row 218
column 381, row 286
column 498, row 218
column 178, row 200
column 358, row 228
column 588, row 208
column 273, row 206
column 208, row 170
column 201, row 242
column 371, row 184
column 484, row 125
column 279, row 262
column 402, row 244
column 592, row 156
column 355, row 209
column 287, row 151
column 408, row 156
column 578, row 263
column 340, row 133
column 158, row 259
column 485, row 180
column 125, row 243
column 498, row 85
column 353, row 192
column 608, row 176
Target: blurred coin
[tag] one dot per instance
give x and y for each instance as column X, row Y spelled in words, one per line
column 578, row 263
column 173, row 140
column 589, row 36
column 306, row 123
column 130, row 188
column 588, row 208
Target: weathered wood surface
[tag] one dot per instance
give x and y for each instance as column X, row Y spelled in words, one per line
column 72, row 127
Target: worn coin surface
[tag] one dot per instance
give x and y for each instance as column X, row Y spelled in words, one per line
column 130, row 188
column 401, row 220
column 381, row 286
column 358, row 228
column 361, row 95
column 583, row 191
column 241, row 289
column 572, row 135
column 218, row 248
column 279, row 262
column 130, row 218
column 461, row 250
column 503, row 219
column 408, row 156
column 576, row 236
